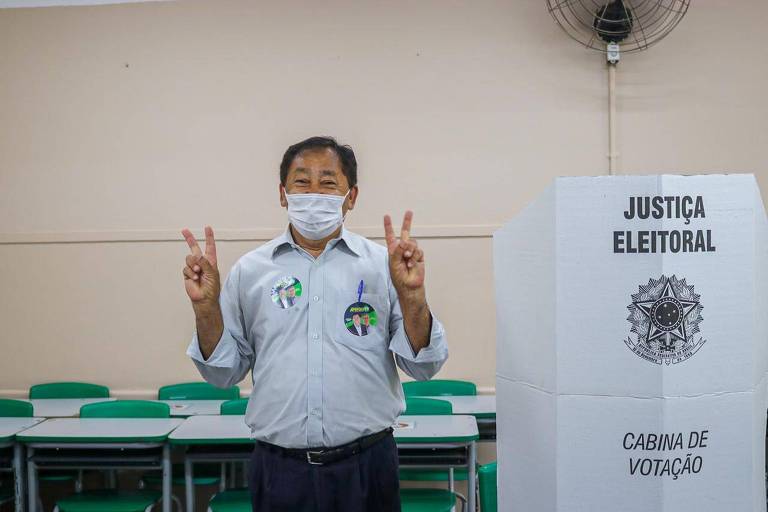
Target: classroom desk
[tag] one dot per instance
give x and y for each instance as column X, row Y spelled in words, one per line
column 187, row 408
column 482, row 407
column 9, row 429
column 103, row 443
column 61, row 407
column 228, row 438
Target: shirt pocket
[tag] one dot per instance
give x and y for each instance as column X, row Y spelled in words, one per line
column 362, row 325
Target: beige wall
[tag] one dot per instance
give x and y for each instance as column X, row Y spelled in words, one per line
column 121, row 124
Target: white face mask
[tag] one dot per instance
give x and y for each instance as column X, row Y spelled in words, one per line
column 315, row 216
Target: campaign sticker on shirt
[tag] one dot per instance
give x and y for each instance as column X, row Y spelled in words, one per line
column 286, row 292
column 360, row 318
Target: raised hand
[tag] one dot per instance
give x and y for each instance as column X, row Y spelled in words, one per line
column 406, row 259
column 201, row 275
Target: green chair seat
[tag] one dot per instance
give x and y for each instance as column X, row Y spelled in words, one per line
column 427, row 500
column 68, row 390
column 234, row 500
column 197, row 391
column 109, row 501
column 234, row 407
column 15, row 408
column 438, row 387
column 126, row 409
column 432, row 475
column 204, row 474
column 427, row 406
column 488, row 486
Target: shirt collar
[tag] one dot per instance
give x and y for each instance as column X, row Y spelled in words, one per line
column 286, row 240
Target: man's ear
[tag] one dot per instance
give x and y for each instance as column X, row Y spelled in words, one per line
column 352, row 197
column 283, row 200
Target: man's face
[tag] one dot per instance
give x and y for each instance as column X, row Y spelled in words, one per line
column 356, row 320
column 318, row 171
column 292, row 292
column 366, row 320
column 281, row 293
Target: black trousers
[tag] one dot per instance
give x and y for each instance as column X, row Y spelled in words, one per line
column 367, row 482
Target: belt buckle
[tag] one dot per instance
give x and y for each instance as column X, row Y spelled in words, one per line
column 309, row 458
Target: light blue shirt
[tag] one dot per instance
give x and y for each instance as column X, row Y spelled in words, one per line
column 316, row 380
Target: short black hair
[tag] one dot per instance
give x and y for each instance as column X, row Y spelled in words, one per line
column 344, row 152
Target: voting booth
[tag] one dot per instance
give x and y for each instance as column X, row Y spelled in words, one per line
column 632, row 317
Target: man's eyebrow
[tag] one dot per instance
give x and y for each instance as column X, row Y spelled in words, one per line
column 328, row 172
column 300, row 170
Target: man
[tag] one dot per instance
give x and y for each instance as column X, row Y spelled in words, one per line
column 323, row 399
column 357, row 328
column 282, row 298
column 291, row 293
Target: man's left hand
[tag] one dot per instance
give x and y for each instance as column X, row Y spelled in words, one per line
column 406, row 260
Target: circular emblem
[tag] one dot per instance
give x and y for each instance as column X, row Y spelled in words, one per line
column 665, row 315
column 286, row 292
column 360, row 318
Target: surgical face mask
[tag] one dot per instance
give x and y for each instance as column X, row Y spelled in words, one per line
column 315, row 216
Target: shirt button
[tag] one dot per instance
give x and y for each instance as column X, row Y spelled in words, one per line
column 316, row 298
column 315, row 336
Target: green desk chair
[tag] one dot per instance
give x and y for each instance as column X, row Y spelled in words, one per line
column 205, row 474
column 437, row 387
column 234, row 407
column 488, row 498
column 418, row 500
column 15, row 408
column 430, row 406
column 68, row 390
column 113, row 500
column 197, row 391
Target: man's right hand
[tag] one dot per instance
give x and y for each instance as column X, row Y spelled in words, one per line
column 201, row 275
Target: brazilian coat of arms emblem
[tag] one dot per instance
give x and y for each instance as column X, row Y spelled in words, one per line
column 665, row 315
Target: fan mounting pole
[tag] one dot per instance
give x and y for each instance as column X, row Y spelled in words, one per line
column 613, row 56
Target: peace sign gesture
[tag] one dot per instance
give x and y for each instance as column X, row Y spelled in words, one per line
column 201, row 275
column 406, row 259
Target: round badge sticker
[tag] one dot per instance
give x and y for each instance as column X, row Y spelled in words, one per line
column 360, row 318
column 286, row 292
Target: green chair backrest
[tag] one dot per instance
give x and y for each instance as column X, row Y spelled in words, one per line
column 126, row 409
column 197, row 391
column 68, row 390
column 234, row 407
column 15, row 408
column 488, row 498
column 427, row 406
column 438, row 387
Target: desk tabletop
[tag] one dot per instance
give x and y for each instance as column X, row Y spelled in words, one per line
column 480, row 406
column 417, row 429
column 100, row 430
column 456, row 428
column 186, row 408
column 61, row 407
column 9, row 427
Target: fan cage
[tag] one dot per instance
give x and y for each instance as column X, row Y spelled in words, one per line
column 652, row 21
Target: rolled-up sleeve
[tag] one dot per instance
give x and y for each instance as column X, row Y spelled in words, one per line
column 429, row 360
column 233, row 356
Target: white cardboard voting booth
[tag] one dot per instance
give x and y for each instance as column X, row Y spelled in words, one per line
column 632, row 328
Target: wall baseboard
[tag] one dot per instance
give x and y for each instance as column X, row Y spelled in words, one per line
column 228, row 235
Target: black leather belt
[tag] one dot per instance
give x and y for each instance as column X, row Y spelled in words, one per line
column 320, row 456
